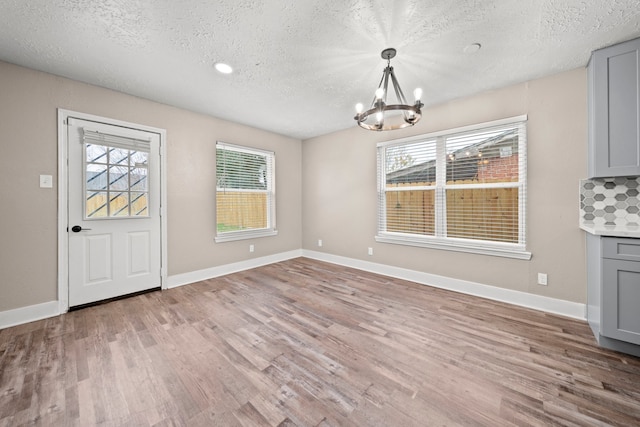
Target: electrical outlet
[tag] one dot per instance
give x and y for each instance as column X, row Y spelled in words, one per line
column 542, row 279
column 46, row 181
column 319, row 243
column 370, row 251
column 251, row 248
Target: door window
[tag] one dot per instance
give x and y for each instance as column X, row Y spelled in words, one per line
column 116, row 181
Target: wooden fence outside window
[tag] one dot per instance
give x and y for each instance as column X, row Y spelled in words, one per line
column 241, row 210
column 472, row 213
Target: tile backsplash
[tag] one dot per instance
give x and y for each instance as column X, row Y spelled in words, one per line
column 610, row 201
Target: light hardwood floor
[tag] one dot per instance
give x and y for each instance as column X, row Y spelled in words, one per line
column 305, row 343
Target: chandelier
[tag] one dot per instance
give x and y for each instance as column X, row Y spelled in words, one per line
column 383, row 116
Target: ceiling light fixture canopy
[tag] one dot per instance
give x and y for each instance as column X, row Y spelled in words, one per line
column 383, row 116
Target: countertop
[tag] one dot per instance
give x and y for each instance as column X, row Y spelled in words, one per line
column 612, row 230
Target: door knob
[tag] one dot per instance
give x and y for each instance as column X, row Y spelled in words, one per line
column 77, row 228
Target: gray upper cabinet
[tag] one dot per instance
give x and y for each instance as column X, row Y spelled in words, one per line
column 614, row 111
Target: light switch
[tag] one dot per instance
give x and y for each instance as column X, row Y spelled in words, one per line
column 46, row 181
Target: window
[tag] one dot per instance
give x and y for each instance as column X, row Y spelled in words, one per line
column 115, row 176
column 462, row 189
column 245, row 193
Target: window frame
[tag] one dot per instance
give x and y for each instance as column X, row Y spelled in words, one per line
column 270, row 229
column 439, row 240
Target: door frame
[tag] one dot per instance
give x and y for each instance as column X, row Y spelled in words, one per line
column 63, row 198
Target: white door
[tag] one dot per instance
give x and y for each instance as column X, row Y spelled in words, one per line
column 114, row 211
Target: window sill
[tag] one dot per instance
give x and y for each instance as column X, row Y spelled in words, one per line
column 497, row 249
column 244, row 235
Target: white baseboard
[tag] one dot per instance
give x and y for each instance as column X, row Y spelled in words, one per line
column 209, row 273
column 523, row 299
column 31, row 313
column 551, row 305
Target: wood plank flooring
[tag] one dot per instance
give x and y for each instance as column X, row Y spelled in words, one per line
column 305, row 343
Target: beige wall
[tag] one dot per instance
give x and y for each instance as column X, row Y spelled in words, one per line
column 339, row 182
column 338, row 174
column 28, row 222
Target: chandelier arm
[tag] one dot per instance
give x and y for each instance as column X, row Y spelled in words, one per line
column 373, row 103
column 399, row 95
column 382, row 101
column 387, row 71
column 397, row 88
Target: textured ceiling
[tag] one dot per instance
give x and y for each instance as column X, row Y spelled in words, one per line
column 301, row 65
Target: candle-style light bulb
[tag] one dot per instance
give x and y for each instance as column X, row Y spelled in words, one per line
column 379, row 116
column 379, row 93
column 417, row 94
column 359, row 108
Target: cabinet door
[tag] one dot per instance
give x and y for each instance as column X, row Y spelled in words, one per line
column 614, row 98
column 621, row 300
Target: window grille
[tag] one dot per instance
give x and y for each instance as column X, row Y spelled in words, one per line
column 116, row 176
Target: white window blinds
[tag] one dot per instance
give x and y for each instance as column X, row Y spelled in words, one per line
column 463, row 189
column 245, row 192
column 127, row 143
column 410, row 187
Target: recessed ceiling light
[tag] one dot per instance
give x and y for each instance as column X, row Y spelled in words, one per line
column 223, row 68
column 472, row 48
